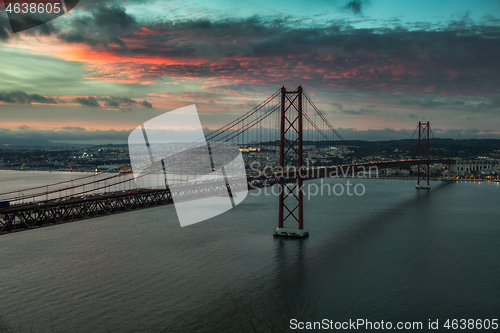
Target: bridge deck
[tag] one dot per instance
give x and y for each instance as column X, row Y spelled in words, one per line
column 33, row 215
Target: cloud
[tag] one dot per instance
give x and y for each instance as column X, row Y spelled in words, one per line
column 355, row 6
column 87, row 101
column 20, row 97
column 478, row 104
column 360, row 112
column 4, row 28
column 111, row 102
column 493, row 103
column 73, row 129
column 146, row 104
column 101, row 26
column 40, row 27
column 425, row 103
column 117, row 101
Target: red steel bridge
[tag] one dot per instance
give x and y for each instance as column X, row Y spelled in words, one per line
column 286, row 121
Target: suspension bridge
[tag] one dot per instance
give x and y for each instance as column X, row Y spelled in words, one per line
column 284, row 123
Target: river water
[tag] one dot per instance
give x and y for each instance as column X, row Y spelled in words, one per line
column 393, row 254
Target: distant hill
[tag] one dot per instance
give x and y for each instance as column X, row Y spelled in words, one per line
column 109, row 145
column 467, row 148
column 445, row 147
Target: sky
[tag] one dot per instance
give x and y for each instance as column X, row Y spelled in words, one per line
column 374, row 68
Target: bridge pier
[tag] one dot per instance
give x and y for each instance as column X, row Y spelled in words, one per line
column 291, row 232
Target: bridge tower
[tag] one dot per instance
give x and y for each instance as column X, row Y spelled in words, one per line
column 423, row 152
column 291, row 195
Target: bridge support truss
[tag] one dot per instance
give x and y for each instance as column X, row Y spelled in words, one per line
column 291, row 195
column 423, row 152
column 31, row 216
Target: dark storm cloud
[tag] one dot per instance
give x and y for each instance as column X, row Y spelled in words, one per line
column 89, row 5
column 117, row 101
column 20, row 97
column 101, row 26
column 446, row 61
column 112, row 102
column 111, row 18
column 87, row 101
column 355, row 6
column 43, row 29
column 146, row 104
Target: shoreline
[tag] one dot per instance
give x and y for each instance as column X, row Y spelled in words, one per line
column 349, row 176
column 66, row 171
